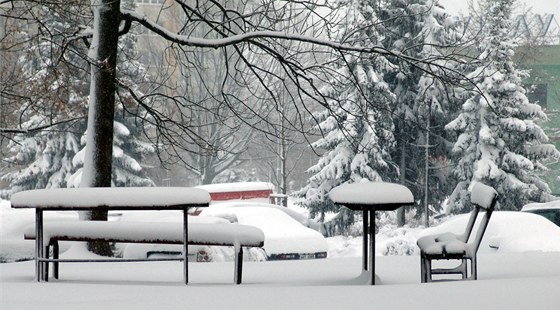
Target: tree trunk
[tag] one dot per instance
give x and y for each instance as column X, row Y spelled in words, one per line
column 402, row 167
column 99, row 147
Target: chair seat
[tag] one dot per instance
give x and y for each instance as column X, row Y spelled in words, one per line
column 441, row 243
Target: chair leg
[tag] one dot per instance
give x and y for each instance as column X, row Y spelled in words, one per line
column 46, row 264
column 56, row 251
column 474, row 271
column 464, row 266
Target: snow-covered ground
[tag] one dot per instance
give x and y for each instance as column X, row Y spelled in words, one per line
column 523, row 275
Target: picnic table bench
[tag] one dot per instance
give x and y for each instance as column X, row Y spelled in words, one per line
column 210, row 234
column 124, row 199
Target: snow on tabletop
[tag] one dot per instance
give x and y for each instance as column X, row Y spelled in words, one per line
column 482, row 195
column 110, row 196
column 371, row 193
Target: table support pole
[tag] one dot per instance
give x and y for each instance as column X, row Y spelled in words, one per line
column 39, row 244
column 365, row 239
column 185, row 246
column 372, row 245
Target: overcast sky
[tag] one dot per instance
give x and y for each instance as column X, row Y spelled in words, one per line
column 537, row 6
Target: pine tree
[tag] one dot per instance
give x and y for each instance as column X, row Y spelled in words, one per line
column 420, row 29
column 42, row 160
column 55, row 86
column 128, row 153
column 357, row 126
column 499, row 141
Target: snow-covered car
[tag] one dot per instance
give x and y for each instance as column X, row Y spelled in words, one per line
column 550, row 210
column 196, row 253
column 508, row 231
column 288, row 234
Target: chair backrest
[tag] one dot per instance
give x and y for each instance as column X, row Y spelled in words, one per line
column 482, row 197
column 470, row 224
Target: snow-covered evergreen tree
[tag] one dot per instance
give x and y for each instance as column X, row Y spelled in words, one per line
column 57, row 89
column 499, row 141
column 55, row 86
column 41, row 160
column 357, row 126
column 420, row 29
column 126, row 167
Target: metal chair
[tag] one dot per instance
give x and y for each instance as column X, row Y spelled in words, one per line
column 450, row 246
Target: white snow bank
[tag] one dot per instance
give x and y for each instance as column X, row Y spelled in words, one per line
column 124, row 197
column 506, row 281
column 371, row 193
column 508, row 231
column 389, row 241
column 12, row 224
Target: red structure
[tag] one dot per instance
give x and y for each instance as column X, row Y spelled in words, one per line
column 237, row 191
column 242, row 194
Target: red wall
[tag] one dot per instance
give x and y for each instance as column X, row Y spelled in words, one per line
column 241, row 195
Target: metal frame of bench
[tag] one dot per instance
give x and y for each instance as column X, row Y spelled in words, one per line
column 54, row 237
column 449, row 246
column 108, row 199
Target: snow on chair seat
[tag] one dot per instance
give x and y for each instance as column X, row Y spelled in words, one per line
column 434, row 244
column 452, row 246
column 216, row 234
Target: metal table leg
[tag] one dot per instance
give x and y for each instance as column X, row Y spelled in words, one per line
column 365, row 239
column 372, row 244
column 185, row 246
column 39, row 245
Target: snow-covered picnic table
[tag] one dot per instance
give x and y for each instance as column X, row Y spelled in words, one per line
column 370, row 197
column 108, row 199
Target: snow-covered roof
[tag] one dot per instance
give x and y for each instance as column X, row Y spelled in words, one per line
column 121, row 197
column 371, row 193
column 237, row 187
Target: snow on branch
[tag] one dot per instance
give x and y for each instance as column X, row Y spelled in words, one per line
column 247, row 36
column 255, row 37
column 38, row 128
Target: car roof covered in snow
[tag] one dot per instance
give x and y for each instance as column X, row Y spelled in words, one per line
column 541, row 206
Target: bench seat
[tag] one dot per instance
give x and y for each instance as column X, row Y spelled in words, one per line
column 211, row 234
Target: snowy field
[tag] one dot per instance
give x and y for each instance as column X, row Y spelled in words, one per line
column 520, row 275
